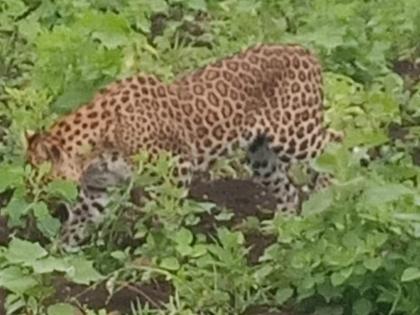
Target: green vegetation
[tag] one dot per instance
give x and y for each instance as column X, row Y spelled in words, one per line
column 355, row 250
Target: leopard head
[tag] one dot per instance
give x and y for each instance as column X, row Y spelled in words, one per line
column 43, row 147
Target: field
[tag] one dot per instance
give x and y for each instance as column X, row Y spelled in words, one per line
column 219, row 248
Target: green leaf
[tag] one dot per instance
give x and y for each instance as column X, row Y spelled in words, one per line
column 158, row 5
column 224, row 216
column 119, row 255
column 330, row 310
column 362, row 307
column 283, row 295
column 318, row 202
column 50, row 264
column 372, row 263
column 183, row 236
column 328, row 291
column 198, row 250
column 63, row 188
column 82, row 271
column 197, row 5
column 75, row 94
column 339, row 277
column 11, row 176
column 16, row 208
column 170, row 263
column 410, row 274
column 14, row 279
column 110, row 29
column 379, row 195
column 46, row 223
column 184, row 250
column 21, row 251
column 61, row 309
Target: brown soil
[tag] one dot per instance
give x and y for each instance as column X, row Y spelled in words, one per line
column 242, row 197
column 155, row 294
column 245, row 199
column 408, row 69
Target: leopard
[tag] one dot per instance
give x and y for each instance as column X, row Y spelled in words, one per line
column 267, row 99
column 106, row 170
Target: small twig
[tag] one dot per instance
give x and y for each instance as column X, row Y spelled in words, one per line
column 140, row 292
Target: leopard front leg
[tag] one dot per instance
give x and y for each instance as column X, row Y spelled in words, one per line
column 88, row 211
column 108, row 169
column 183, row 171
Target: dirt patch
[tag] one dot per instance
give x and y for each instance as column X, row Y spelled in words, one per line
column 4, row 232
column 265, row 310
column 245, row 199
column 2, row 301
column 155, row 294
column 407, row 68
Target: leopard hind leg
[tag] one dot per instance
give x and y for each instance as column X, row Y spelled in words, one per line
column 320, row 181
column 272, row 173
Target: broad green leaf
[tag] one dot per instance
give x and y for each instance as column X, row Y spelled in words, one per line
column 224, row 216
column 158, row 5
column 183, row 236
column 109, row 28
column 198, row 250
column 328, row 291
column 62, row 188
column 318, row 202
column 15, row 8
column 366, row 137
column 82, row 271
column 372, row 263
column 283, row 295
column 61, row 309
column 21, row 251
column 330, row 310
column 74, row 95
column 50, row 264
column 16, row 208
column 46, row 223
column 262, row 272
column 197, row 4
column 380, row 194
column 11, row 176
column 14, row 303
column 362, row 307
column 14, row 279
column 339, row 277
column 410, row 274
column 184, row 250
column 170, row 263
column 119, row 255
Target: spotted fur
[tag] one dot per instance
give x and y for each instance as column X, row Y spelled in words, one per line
column 267, row 99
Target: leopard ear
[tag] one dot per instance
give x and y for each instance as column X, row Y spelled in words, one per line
column 28, row 138
column 43, row 147
column 29, row 134
column 52, row 151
